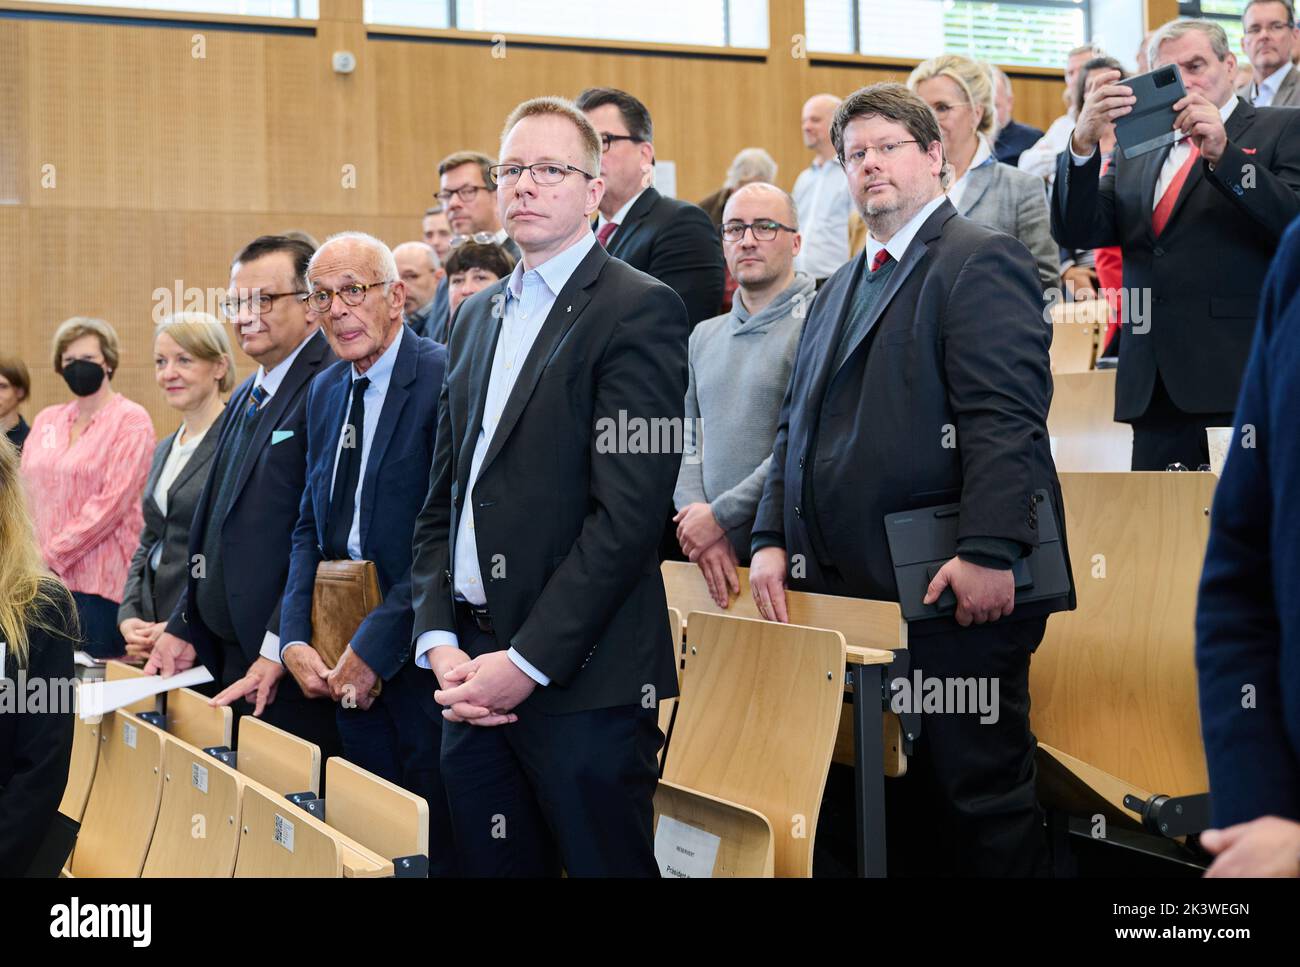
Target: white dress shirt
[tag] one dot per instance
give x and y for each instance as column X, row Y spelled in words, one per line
column 530, row 294
column 983, row 155
column 178, row 455
column 897, row 245
column 381, row 376
column 270, row 382
column 1266, row 89
column 1177, row 155
column 821, row 194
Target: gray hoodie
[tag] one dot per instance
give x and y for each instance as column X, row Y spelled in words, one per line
column 739, row 368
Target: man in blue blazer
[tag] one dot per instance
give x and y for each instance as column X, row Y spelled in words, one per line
column 1248, row 618
column 371, row 423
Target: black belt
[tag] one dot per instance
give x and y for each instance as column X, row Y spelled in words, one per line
column 478, row 615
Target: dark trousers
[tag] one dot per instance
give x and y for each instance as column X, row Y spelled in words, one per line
column 98, row 617
column 1165, row 434
column 311, row 719
column 968, row 804
column 551, row 792
column 398, row 739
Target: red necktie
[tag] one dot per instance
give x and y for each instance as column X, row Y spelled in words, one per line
column 1165, row 208
column 605, row 232
column 881, row 258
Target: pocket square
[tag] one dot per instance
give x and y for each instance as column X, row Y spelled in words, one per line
column 279, row 436
column 1249, row 150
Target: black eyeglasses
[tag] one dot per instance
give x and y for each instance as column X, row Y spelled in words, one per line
column 542, row 173
column 464, row 193
column 606, row 140
column 765, row 229
column 259, row 303
column 320, row 300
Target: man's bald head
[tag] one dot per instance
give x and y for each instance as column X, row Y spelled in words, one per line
column 419, row 268
column 818, row 112
column 779, row 203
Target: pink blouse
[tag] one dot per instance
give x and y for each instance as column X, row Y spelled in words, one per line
column 85, row 498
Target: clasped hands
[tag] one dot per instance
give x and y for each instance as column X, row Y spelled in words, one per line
column 706, row 544
column 481, row 691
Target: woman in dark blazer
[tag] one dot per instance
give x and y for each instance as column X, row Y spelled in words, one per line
column 38, row 632
column 194, row 367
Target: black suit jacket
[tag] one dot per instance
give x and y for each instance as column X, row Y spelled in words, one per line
column 1014, row 140
column 1205, row 271
column 392, row 493
column 257, row 534
column 945, row 399
column 151, row 595
column 675, row 242
column 35, row 747
column 574, row 507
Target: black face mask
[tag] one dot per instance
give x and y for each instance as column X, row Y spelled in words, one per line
column 83, row 377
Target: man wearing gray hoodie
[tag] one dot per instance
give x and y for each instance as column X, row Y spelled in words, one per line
column 739, row 367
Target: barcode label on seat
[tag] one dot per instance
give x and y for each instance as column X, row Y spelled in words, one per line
column 284, row 832
column 199, row 776
column 128, row 734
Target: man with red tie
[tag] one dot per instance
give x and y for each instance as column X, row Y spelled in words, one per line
column 1197, row 224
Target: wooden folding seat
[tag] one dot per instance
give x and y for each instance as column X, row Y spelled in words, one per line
column 120, row 814
column 1081, row 423
column 1077, row 328
column 197, row 833
column 381, row 816
column 81, row 771
column 755, row 730
column 191, row 719
column 277, row 759
column 278, row 839
column 1113, row 685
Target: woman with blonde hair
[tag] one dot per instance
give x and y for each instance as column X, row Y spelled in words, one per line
column 37, row 638
column 85, row 464
column 194, row 366
column 960, row 92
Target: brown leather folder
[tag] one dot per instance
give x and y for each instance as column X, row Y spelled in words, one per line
column 345, row 592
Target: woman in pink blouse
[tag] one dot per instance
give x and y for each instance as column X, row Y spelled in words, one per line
column 85, row 465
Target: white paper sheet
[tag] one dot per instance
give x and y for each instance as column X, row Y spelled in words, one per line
column 684, row 852
column 99, row 698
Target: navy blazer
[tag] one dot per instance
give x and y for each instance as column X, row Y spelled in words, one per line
column 256, row 533
column 1014, row 140
column 1248, row 618
column 397, row 472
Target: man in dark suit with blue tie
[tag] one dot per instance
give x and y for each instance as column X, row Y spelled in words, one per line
column 371, row 421
column 537, row 592
column 228, row 617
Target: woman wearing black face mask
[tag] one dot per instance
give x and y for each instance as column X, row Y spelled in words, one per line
column 85, row 464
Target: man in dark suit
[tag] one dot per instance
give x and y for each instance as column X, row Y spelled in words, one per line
column 422, row 273
column 537, row 595
column 1247, row 620
column 904, row 395
column 1013, row 137
column 370, row 431
column 228, row 618
column 672, row 240
column 1197, row 224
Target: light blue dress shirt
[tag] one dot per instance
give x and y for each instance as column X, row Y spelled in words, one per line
column 529, row 297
